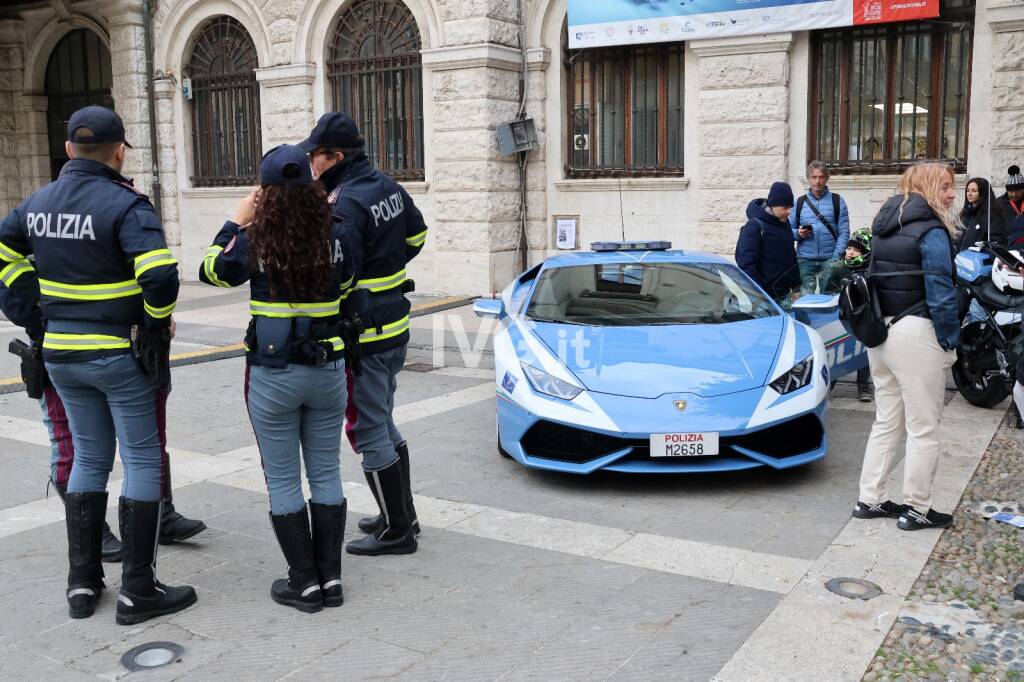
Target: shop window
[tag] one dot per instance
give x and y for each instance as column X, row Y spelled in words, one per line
column 625, row 111
column 883, row 97
column 225, row 106
column 376, row 75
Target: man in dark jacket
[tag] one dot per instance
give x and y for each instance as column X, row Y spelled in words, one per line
column 764, row 249
column 1016, row 238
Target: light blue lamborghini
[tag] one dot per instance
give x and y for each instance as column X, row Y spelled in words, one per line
column 638, row 358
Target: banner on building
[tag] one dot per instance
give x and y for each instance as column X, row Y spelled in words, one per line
column 598, row 23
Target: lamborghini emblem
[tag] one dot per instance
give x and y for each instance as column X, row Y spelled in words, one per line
column 680, row 405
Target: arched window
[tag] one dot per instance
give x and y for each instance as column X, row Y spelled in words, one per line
column 225, row 105
column 376, row 75
column 77, row 75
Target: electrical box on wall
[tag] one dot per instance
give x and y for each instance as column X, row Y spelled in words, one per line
column 186, row 88
column 517, row 136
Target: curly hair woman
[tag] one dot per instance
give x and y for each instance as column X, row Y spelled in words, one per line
column 296, row 260
column 913, row 252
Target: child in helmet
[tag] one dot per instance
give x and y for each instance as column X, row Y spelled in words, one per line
column 856, row 259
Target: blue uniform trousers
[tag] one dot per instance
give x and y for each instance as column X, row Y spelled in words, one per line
column 293, row 406
column 109, row 401
column 370, row 425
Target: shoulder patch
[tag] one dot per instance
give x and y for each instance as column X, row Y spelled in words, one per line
column 332, row 198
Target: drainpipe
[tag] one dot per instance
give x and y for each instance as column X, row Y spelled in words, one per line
column 524, row 80
column 154, row 154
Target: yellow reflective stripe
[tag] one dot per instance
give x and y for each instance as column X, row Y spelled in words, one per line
column 159, row 313
column 89, row 292
column 387, row 331
column 8, row 254
column 209, row 260
column 336, row 342
column 417, row 239
column 14, row 271
column 286, row 309
column 153, row 259
column 58, row 341
column 382, row 283
column 347, row 283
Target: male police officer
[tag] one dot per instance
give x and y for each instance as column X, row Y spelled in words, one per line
column 388, row 229
column 105, row 278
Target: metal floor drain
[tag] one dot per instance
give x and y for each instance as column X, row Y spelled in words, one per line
column 152, row 655
column 853, row 588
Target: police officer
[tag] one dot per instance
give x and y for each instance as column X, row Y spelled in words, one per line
column 102, row 275
column 387, row 231
column 174, row 527
column 295, row 367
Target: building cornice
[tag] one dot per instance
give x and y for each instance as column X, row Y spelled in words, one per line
column 735, row 45
column 287, row 74
column 468, row 56
column 1005, row 18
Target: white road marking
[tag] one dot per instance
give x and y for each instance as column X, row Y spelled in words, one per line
column 809, row 620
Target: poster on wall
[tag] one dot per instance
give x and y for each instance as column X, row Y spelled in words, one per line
column 599, row 23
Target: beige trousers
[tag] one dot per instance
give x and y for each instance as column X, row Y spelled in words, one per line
column 909, row 371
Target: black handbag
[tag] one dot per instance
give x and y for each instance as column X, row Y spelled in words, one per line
column 861, row 312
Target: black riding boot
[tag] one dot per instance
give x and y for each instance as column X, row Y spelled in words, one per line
column 111, row 546
column 301, row 590
column 142, row 596
column 371, row 524
column 328, row 536
column 85, row 513
column 396, row 535
column 173, row 526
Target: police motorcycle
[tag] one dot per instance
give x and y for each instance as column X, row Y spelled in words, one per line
column 988, row 351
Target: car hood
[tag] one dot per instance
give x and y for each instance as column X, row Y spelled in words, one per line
column 646, row 362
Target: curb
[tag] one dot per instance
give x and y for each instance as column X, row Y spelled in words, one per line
column 195, row 357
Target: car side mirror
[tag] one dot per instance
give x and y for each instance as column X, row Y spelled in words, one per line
column 488, row 307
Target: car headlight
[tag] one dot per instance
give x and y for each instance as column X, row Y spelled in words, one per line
column 542, row 382
column 797, row 377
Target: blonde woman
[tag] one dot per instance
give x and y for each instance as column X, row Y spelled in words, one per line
column 912, row 248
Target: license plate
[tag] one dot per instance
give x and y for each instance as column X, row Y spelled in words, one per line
column 684, row 444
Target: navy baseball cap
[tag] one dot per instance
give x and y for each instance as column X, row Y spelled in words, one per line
column 334, row 129
column 105, row 124
column 285, row 165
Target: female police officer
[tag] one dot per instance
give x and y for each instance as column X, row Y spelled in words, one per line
column 284, row 243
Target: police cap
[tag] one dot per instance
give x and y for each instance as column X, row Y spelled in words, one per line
column 104, row 123
column 285, row 165
column 335, row 129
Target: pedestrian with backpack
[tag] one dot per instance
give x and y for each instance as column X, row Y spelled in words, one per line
column 912, row 280
column 821, row 228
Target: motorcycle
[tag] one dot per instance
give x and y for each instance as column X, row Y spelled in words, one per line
column 987, row 355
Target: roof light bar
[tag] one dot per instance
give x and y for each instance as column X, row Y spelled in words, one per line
column 631, row 246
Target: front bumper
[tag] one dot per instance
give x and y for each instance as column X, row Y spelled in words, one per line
column 545, row 443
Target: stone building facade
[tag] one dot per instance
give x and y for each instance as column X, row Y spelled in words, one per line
column 746, row 120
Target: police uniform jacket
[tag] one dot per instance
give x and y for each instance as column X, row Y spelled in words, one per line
column 87, row 253
column 388, row 231
column 227, row 264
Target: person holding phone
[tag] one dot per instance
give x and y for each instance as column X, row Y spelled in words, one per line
column 821, row 228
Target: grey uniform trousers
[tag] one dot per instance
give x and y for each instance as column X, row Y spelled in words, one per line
column 369, row 423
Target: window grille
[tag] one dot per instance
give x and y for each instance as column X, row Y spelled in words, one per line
column 225, row 106
column 625, row 115
column 375, row 72
column 886, row 96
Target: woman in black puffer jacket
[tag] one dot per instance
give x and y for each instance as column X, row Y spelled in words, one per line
column 982, row 217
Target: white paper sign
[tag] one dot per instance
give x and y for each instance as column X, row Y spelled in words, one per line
column 565, row 233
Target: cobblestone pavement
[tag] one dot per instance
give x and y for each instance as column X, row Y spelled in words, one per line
column 960, row 621
column 521, row 575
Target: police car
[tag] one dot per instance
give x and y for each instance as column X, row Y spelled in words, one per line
column 638, row 358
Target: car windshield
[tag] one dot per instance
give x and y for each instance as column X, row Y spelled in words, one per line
column 640, row 294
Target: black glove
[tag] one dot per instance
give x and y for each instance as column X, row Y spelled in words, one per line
column 33, row 372
column 152, row 350
column 351, row 328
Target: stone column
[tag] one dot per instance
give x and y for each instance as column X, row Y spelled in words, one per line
column 286, row 103
column 164, row 91
column 128, row 66
column 11, row 31
column 744, row 128
column 1007, row 127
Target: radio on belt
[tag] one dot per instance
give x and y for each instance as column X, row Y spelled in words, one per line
column 631, row 246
